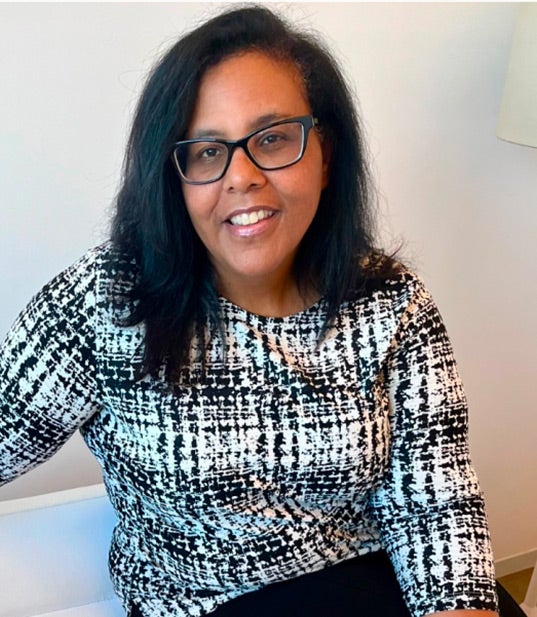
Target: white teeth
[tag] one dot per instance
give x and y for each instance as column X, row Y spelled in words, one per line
column 250, row 219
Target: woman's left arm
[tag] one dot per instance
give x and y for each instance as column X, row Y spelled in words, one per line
column 429, row 507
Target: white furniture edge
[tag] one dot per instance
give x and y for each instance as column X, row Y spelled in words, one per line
column 56, row 498
column 54, row 554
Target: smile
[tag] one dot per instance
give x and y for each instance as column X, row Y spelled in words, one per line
column 250, row 218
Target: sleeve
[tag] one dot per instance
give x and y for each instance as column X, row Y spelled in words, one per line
column 47, row 370
column 429, row 507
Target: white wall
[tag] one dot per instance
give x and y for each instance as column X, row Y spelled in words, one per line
column 429, row 78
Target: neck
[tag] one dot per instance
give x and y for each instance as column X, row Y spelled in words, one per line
column 268, row 298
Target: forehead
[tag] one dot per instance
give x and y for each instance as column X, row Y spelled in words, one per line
column 245, row 87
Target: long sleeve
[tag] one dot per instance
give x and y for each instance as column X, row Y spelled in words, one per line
column 429, row 507
column 47, row 370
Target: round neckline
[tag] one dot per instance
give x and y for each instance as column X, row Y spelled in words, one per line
column 238, row 311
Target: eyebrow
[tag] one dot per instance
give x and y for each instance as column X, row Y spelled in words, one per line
column 258, row 123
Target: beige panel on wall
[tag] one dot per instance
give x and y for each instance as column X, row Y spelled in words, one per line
column 517, row 120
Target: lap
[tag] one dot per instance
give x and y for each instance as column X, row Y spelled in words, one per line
column 364, row 586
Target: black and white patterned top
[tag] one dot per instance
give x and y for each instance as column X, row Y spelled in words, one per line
column 289, row 457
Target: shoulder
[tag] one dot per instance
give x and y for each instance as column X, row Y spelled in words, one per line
column 390, row 282
column 390, row 311
column 99, row 272
column 398, row 309
column 105, row 264
column 389, row 301
column 102, row 260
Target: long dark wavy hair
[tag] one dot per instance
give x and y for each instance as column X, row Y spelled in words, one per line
column 174, row 294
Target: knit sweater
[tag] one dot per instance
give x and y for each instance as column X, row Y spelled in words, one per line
column 293, row 453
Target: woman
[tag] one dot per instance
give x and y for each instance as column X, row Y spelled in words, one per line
column 274, row 403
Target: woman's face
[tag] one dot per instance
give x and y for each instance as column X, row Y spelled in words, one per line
column 237, row 96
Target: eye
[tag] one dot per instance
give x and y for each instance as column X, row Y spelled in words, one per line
column 206, row 153
column 272, row 138
column 210, row 152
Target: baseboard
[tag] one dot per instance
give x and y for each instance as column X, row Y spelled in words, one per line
column 516, row 563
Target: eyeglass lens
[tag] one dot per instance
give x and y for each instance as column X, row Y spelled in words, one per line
column 271, row 148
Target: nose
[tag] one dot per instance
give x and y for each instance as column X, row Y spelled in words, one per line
column 242, row 174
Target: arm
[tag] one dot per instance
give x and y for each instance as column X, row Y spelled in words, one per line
column 429, row 508
column 47, row 371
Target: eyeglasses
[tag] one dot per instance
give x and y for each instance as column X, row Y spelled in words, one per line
column 278, row 145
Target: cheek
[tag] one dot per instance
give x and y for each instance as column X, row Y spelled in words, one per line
column 307, row 187
column 315, row 172
column 199, row 202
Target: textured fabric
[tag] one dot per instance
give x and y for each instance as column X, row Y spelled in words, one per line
column 289, row 457
column 363, row 586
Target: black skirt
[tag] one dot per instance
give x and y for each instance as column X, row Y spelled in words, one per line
column 361, row 587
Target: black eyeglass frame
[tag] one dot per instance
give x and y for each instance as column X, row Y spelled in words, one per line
column 307, row 122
